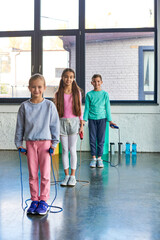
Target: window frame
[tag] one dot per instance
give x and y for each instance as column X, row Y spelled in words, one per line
column 142, row 93
column 36, row 49
column 124, row 30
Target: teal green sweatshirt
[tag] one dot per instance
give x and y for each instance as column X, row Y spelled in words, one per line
column 97, row 106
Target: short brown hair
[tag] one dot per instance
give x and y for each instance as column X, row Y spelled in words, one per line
column 96, row 75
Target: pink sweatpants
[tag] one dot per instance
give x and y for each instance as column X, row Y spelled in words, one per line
column 38, row 156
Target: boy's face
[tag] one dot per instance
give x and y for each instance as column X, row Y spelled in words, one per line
column 97, row 82
column 37, row 88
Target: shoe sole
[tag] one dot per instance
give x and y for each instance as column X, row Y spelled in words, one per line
column 63, row 185
column 43, row 213
column 31, row 213
column 71, row 185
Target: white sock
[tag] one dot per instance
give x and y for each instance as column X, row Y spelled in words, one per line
column 72, row 176
column 67, row 176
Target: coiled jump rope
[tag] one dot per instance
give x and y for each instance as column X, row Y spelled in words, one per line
column 21, row 150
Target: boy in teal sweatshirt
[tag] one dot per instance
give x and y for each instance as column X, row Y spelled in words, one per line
column 97, row 112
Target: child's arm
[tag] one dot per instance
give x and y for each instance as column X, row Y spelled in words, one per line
column 54, row 126
column 86, row 109
column 81, row 130
column 108, row 112
column 108, row 109
column 81, row 117
column 19, row 128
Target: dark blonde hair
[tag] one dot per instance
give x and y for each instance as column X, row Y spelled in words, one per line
column 76, row 104
column 36, row 76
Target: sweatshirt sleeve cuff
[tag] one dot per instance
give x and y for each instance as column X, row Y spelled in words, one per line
column 108, row 120
column 54, row 143
column 18, row 144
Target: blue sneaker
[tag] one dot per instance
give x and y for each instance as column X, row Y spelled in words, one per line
column 42, row 208
column 93, row 163
column 100, row 163
column 33, row 207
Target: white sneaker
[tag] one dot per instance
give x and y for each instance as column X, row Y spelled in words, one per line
column 65, row 181
column 72, row 181
column 93, row 163
column 100, row 163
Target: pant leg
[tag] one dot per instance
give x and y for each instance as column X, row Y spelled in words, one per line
column 72, row 144
column 65, row 159
column 92, row 136
column 101, row 129
column 32, row 159
column 45, row 168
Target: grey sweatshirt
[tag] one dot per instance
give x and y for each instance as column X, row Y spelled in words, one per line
column 37, row 122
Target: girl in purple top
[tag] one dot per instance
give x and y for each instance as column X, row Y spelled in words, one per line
column 68, row 102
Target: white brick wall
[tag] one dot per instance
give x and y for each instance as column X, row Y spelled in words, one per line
column 117, row 62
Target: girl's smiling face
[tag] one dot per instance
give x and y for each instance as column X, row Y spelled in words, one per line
column 37, row 88
column 68, row 78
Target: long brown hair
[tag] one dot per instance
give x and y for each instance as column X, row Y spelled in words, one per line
column 76, row 103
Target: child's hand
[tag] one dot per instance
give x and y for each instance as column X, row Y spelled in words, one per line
column 53, row 150
column 24, row 153
column 112, row 123
column 81, row 130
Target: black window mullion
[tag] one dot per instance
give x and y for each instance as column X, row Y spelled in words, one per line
column 37, row 59
column 80, row 69
column 155, row 52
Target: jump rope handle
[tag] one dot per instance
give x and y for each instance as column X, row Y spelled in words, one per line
column 115, row 126
column 22, row 150
column 51, row 150
column 81, row 136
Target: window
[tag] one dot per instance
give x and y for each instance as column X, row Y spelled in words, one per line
column 59, row 14
column 15, row 67
column 17, row 15
column 56, row 56
column 146, row 73
column 115, row 57
column 58, row 72
column 114, row 33
column 119, row 14
column 115, row 38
